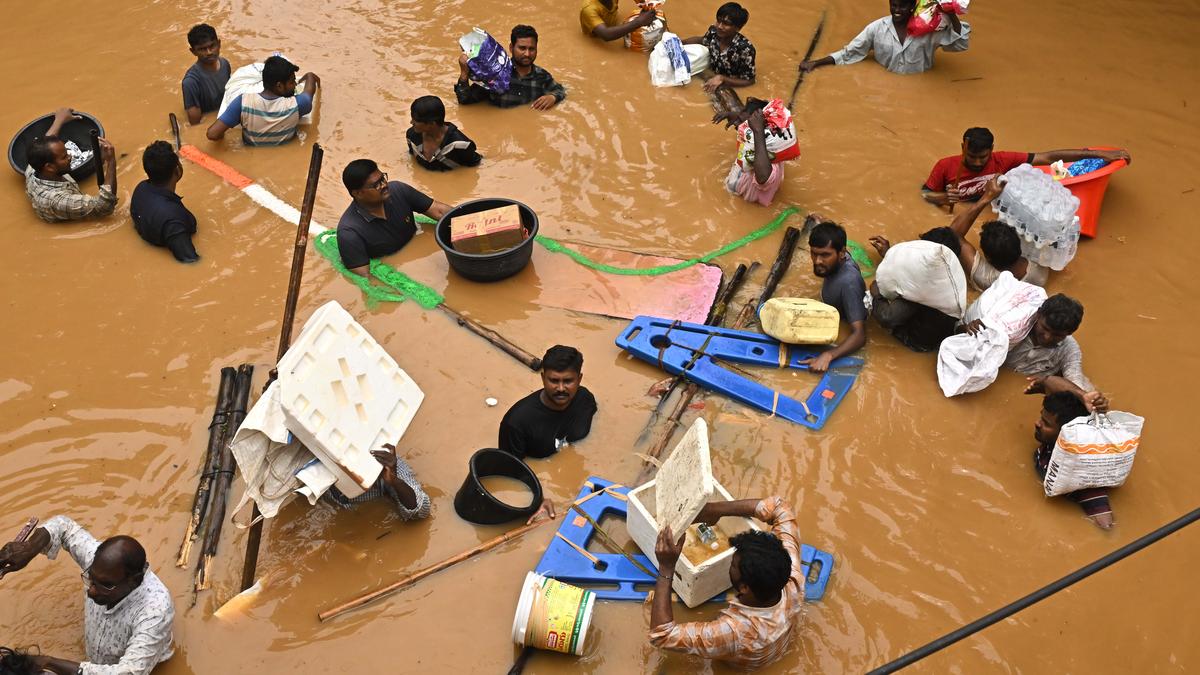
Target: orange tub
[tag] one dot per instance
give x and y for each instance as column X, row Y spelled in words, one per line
column 1089, row 188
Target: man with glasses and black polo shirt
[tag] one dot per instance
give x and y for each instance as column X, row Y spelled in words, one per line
column 128, row 613
column 380, row 220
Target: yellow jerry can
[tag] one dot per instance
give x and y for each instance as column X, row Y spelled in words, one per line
column 799, row 321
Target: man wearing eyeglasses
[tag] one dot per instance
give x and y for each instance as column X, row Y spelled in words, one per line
column 380, row 220
column 128, row 614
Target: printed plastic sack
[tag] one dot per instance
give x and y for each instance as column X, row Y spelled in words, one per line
column 1091, row 452
column 1009, row 306
column 644, row 39
column 928, row 16
column 668, row 63
column 782, row 143
column 969, row 363
column 489, row 63
column 926, row 273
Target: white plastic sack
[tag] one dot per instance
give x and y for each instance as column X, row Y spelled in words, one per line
column 697, row 56
column 926, row 273
column 668, row 63
column 1009, row 306
column 248, row 80
column 1095, row 451
column 969, row 363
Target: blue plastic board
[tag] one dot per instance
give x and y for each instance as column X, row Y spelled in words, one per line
column 689, row 349
column 618, row 580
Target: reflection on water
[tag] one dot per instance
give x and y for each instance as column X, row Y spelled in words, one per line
column 929, row 505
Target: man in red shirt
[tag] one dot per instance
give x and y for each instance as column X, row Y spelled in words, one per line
column 962, row 177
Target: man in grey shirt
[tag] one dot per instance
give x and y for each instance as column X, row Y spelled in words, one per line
column 843, row 288
column 204, row 83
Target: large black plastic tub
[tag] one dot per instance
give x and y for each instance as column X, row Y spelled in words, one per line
column 78, row 130
column 488, row 266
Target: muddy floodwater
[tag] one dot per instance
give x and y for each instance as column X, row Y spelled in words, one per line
column 111, row 350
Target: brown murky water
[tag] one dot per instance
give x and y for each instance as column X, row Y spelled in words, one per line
column 112, row 349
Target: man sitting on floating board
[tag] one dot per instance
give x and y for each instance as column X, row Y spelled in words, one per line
column 893, row 46
column 554, row 416
column 842, row 287
column 380, row 220
column 765, row 572
column 960, row 178
column 269, row 117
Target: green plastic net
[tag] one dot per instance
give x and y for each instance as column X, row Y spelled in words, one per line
column 407, row 287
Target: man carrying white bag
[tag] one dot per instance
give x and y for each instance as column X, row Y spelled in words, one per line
column 1083, row 455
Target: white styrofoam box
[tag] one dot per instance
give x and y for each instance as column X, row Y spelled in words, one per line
column 685, row 480
column 695, row 584
column 344, row 396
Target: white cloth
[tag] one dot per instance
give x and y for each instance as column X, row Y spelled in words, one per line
column 248, row 79
column 133, row 636
column 272, row 462
column 914, row 56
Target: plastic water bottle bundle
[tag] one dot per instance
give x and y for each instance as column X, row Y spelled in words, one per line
column 1042, row 211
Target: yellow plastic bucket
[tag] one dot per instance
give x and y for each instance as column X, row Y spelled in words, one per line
column 552, row 615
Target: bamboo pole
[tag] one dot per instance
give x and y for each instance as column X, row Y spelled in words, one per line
column 503, row 344
column 223, row 479
column 432, row 569
column 812, row 46
column 212, row 454
column 782, row 262
column 254, row 536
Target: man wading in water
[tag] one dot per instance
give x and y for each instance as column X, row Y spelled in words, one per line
column 893, row 47
column 1061, row 405
column 530, row 85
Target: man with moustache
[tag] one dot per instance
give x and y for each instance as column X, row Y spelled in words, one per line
column 554, row 416
column 530, row 85
column 842, row 287
column 894, row 48
column 128, row 613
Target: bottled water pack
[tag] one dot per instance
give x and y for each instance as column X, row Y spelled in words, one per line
column 1042, row 212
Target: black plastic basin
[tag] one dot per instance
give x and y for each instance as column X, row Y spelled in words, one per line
column 488, row 266
column 474, row 503
column 78, row 130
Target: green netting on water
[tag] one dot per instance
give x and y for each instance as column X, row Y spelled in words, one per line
column 326, row 245
column 860, row 256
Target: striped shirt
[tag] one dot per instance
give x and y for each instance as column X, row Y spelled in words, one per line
column 742, row 636
column 133, row 636
column 381, row 490
column 55, row 201
column 266, row 121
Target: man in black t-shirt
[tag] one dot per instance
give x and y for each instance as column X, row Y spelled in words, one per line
column 379, row 221
column 158, row 213
column 551, row 418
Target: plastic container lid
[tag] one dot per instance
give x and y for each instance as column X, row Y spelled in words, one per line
column 684, row 483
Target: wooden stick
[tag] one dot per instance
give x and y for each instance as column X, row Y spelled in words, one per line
column 503, row 344
column 223, row 480
column 212, row 454
column 812, row 46
column 432, row 569
column 582, row 551
column 175, row 130
column 254, row 536
column 97, row 160
column 782, row 261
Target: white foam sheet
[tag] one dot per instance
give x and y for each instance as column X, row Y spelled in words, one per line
column 685, row 480
column 343, row 396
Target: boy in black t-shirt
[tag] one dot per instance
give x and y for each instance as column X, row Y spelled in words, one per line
column 436, row 144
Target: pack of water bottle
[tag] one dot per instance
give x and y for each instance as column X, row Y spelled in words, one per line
column 1042, row 212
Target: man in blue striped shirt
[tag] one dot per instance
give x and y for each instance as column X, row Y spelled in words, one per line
column 269, row 117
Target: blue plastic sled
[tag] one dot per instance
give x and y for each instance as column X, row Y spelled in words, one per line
column 619, row 579
column 689, row 349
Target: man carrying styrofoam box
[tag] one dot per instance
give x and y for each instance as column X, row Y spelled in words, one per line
column 766, row 574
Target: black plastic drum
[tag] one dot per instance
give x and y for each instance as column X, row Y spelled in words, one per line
column 474, row 503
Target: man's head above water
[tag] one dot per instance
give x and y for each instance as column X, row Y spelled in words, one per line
column 562, row 371
column 117, row 569
column 523, row 45
column 760, row 568
column 1058, row 317
column 826, row 243
column 365, row 183
column 977, row 148
column 902, row 10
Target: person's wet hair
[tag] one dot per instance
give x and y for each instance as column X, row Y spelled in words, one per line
column 944, row 236
column 201, row 33
column 827, row 234
column 159, row 161
column 356, row 173
column 39, row 152
column 978, row 139
column 763, row 562
column 1062, row 313
column 428, row 110
column 522, row 31
column 277, row 70
column 752, row 104
column 734, row 14
column 1000, row 243
column 560, row 358
column 1064, row 406
column 17, row 662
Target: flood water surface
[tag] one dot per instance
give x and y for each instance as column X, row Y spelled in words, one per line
column 930, row 506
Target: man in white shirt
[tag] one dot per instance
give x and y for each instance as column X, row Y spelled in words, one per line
column 894, row 48
column 128, row 613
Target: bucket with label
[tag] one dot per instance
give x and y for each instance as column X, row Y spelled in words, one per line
column 552, row 615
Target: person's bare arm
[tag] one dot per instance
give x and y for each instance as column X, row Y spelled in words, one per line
column 667, row 551
column 809, row 66
column 610, row 33
column 216, row 131
column 965, row 218
column 61, row 117
column 311, row 83
column 762, row 158
column 1095, row 401
column 194, row 114
column 364, row 271
column 1051, row 156
column 853, row 343
column 437, row 210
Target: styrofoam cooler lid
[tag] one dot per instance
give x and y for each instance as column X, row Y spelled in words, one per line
column 344, row 396
column 684, row 483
